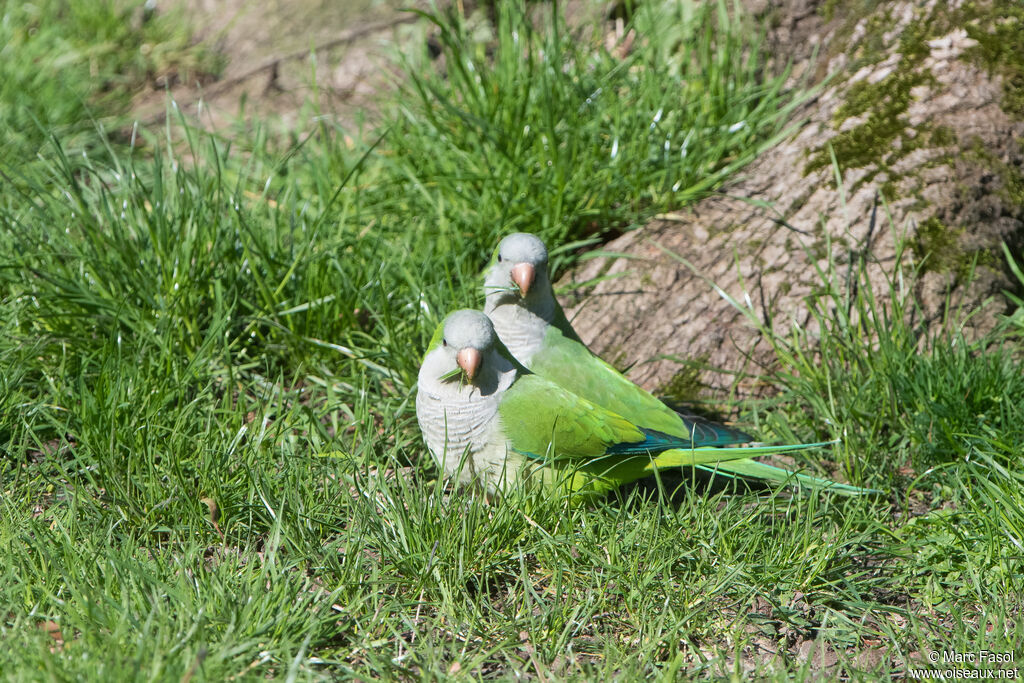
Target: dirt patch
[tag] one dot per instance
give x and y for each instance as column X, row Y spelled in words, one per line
column 288, row 61
column 292, row 61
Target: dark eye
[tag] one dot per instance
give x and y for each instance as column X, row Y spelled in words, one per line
column 444, row 342
column 499, row 258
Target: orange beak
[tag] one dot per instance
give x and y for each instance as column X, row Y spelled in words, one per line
column 469, row 360
column 522, row 275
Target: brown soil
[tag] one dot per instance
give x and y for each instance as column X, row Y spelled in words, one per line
column 276, row 51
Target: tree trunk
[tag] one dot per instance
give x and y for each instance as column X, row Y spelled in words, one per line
column 924, row 118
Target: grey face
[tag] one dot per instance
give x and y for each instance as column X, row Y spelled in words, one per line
column 519, row 273
column 465, row 355
column 522, row 247
column 468, row 329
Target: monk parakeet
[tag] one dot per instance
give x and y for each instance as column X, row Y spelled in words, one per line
column 532, row 326
column 488, row 419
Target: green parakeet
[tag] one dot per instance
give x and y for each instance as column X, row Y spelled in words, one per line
column 533, row 327
column 487, row 419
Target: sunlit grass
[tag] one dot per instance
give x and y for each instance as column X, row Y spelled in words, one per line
column 211, row 465
column 66, row 67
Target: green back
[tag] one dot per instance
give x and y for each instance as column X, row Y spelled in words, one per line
column 567, row 362
column 539, row 417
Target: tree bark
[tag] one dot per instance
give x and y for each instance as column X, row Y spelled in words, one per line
column 921, row 117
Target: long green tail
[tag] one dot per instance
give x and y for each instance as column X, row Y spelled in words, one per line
column 745, row 468
column 751, row 469
column 717, row 456
column 601, row 475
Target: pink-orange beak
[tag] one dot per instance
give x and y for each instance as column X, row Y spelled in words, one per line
column 469, row 360
column 522, row 275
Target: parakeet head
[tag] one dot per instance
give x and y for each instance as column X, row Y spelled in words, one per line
column 518, row 271
column 462, row 344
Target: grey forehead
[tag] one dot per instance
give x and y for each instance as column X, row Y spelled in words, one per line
column 522, row 247
column 468, row 328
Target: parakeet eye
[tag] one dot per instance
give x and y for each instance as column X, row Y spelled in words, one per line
column 444, row 342
column 499, row 258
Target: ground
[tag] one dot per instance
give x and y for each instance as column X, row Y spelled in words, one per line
column 210, row 336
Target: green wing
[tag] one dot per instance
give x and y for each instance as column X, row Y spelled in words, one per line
column 567, row 362
column 543, row 420
column 587, row 448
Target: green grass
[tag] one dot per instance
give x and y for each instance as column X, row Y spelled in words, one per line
column 238, row 323
column 557, row 135
column 65, row 64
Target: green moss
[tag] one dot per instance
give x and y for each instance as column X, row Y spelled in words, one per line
column 874, row 134
column 828, row 9
column 1012, row 186
column 915, row 36
column 999, row 31
column 873, row 48
column 873, row 131
column 685, row 386
column 935, row 243
column 884, row 137
column 864, row 97
column 938, row 247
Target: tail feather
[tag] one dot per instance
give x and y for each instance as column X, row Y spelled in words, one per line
column 735, row 463
column 751, row 469
column 704, row 455
column 589, row 480
column 709, row 433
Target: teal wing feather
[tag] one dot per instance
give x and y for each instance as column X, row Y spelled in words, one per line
column 543, row 421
